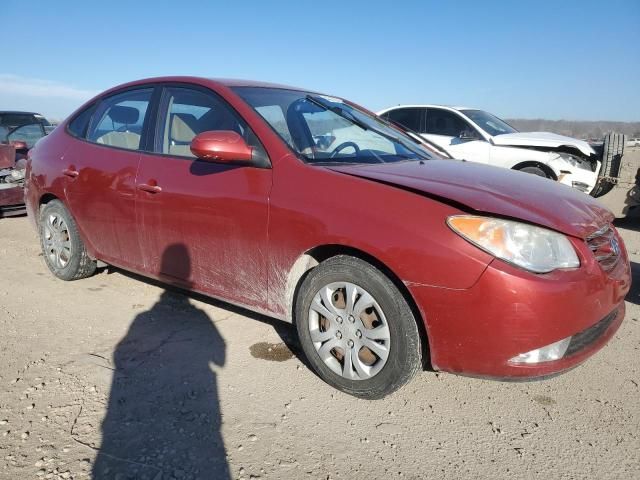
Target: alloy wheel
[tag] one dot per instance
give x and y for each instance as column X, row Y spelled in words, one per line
column 57, row 241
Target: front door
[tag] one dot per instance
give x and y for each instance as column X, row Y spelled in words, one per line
column 204, row 225
column 101, row 171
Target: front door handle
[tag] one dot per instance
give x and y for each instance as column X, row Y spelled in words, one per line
column 71, row 172
column 150, row 188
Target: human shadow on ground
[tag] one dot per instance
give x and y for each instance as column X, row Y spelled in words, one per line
column 163, row 416
column 634, row 293
column 285, row 330
column 628, row 223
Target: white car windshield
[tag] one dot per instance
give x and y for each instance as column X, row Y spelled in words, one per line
column 325, row 129
column 489, row 123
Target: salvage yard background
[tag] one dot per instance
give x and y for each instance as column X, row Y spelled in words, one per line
column 207, row 389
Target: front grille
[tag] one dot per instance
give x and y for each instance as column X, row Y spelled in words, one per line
column 605, row 247
column 587, row 337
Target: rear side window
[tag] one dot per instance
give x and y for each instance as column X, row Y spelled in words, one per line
column 78, row 126
column 411, row 118
column 118, row 120
column 444, row 122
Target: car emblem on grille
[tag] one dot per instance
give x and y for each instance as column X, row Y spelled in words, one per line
column 615, row 246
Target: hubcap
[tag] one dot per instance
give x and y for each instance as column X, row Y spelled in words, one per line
column 358, row 348
column 57, row 242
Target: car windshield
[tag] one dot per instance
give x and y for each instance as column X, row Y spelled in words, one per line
column 29, row 134
column 489, row 123
column 325, row 129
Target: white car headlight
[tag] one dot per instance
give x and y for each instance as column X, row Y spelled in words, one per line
column 533, row 248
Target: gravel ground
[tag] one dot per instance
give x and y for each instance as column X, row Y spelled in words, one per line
column 114, row 377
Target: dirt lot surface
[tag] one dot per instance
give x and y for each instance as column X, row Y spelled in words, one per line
column 114, row 377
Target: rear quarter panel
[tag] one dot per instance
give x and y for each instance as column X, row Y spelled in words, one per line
column 44, row 171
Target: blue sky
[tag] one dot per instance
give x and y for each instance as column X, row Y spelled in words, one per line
column 545, row 59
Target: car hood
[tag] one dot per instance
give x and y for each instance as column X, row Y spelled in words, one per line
column 493, row 190
column 542, row 139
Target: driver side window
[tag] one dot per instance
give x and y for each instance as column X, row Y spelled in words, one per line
column 190, row 112
column 446, row 123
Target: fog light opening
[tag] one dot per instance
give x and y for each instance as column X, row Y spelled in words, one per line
column 549, row 353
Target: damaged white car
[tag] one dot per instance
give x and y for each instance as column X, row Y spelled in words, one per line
column 479, row 136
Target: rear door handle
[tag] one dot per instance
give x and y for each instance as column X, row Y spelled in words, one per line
column 145, row 187
column 71, row 172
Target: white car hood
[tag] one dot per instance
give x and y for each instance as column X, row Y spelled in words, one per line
column 542, row 139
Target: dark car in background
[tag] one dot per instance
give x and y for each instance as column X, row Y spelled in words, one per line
column 15, row 142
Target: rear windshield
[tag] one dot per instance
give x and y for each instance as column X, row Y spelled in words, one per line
column 12, row 120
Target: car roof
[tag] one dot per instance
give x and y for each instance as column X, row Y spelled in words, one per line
column 235, row 82
column 3, row 112
column 226, row 82
column 426, row 105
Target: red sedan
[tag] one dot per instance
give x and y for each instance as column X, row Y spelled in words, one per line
column 311, row 209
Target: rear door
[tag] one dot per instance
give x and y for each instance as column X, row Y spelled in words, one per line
column 204, row 225
column 100, row 171
column 456, row 135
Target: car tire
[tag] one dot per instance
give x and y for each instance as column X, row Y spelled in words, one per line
column 534, row 171
column 369, row 376
column 62, row 248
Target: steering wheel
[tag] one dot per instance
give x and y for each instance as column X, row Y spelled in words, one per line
column 342, row 146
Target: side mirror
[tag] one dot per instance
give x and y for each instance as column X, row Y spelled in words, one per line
column 224, row 146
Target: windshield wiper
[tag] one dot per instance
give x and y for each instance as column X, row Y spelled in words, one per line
column 338, row 111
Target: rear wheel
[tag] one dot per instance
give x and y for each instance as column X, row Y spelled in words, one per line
column 356, row 329
column 62, row 248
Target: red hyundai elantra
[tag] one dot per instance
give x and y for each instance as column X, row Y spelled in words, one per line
column 309, row 208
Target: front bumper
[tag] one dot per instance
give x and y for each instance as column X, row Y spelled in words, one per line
column 12, row 201
column 509, row 311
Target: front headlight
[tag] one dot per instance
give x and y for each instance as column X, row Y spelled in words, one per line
column 533, row 248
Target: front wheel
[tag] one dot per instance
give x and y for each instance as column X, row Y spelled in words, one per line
column 356, row 329
column 535, row 171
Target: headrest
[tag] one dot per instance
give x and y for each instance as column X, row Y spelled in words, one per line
column 183, row 127
column 126, row 115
